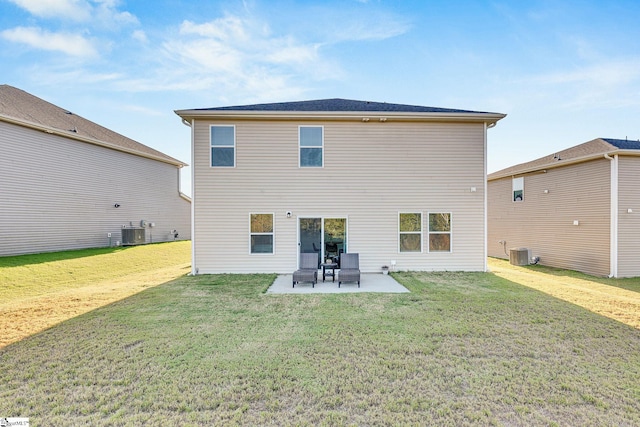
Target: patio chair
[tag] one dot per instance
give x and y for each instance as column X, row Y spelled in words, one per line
column 349, row 269
column 330, row 250
column 308, row 271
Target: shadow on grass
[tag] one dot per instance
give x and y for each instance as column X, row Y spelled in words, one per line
column 467, row 348
column 28, row 318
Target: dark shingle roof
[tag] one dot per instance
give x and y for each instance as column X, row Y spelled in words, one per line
column 338, row 105
column 26, row 108
column 623, row 144
column 587, row 150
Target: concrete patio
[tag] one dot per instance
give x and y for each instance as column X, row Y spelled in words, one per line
column 369, row 282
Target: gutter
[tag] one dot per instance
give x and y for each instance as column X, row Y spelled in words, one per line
column 485, row 197
column 194, row 268
column 88, row 140
column 364, row 116
column 194, row 265
column 614, row 221
column 542, row 168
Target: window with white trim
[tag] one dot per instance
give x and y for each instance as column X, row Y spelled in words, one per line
column 439, row 232
column 410, row 232
column 262, row 233
column 311, row 146
column 223, row 146
column 517, row 184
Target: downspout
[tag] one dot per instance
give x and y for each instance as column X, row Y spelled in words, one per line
column 613, row 232
column 194, row 269
column 486, row 267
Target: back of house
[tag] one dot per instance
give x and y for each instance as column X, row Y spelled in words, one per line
column 576, row 209
column 69, row 183
column 402, row 185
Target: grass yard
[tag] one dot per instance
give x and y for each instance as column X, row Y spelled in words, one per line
column 618, row 299
column 41, row 290
column 460, row 349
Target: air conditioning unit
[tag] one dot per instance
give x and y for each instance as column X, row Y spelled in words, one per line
column 519, row 256
column 133, row 236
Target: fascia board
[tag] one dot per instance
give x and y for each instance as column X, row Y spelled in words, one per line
column 558, row 164
column 93, row 141
column 372, row 116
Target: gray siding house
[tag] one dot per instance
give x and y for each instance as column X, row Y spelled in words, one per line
column 404, row 186
column 577, row 209
column 68, row 183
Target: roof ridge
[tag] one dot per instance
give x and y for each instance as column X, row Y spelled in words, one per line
column 339, row 105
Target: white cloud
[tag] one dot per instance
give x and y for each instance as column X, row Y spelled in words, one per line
column 143, row 110
column 229, row 28
column 103, row 13
column 242, row 56
column 364, row 22
column 74, row 10
column 140, row 36
column 68, row 43
column 106, row 12
column 378, row 27
column 608, row 73
column 62, row 76
column 608, row 83
column 288, row 52
column 239, row 56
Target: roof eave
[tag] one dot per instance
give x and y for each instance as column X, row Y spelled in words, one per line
column 383, row 116
column 540, row 168
column 66, row 134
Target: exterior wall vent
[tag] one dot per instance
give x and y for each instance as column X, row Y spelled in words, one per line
column 519, row 256
column 133, row 236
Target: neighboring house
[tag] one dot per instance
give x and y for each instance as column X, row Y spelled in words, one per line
column 576, row 209
column 394, row 183
column 68, row 183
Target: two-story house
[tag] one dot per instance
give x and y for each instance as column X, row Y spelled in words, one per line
column 69, row 183
column 577, row 209
column 402, row 185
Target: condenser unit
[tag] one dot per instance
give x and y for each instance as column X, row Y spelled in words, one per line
column 133, row 236
column 519, row 256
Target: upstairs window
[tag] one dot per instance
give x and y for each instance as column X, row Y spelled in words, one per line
column 223, row 146
column 439, row 232
column 311, row 143
column 410, row 232
column 262, row 233
column 518, row 189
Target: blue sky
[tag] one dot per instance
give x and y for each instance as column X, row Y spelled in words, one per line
column 564, row 72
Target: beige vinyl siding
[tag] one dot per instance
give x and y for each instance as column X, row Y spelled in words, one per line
column 371, row 172
column 543, row 222
column 629, row 222
column 59, row 194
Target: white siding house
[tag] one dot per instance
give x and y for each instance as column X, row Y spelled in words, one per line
column 68, row 183
column 401, row 185
column 576, row 209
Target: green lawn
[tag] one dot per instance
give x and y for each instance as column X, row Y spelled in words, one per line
column 42, row 290
column 39, row 274
column 460, row 349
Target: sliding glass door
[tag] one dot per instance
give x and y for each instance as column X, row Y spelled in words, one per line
column 310, row 236
column 325, row 236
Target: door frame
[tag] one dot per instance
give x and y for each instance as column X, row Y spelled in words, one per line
column 322, row 246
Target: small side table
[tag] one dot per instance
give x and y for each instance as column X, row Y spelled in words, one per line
column 325, row 273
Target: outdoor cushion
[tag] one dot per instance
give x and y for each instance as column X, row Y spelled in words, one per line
column 349, row 269
column 308, row 271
